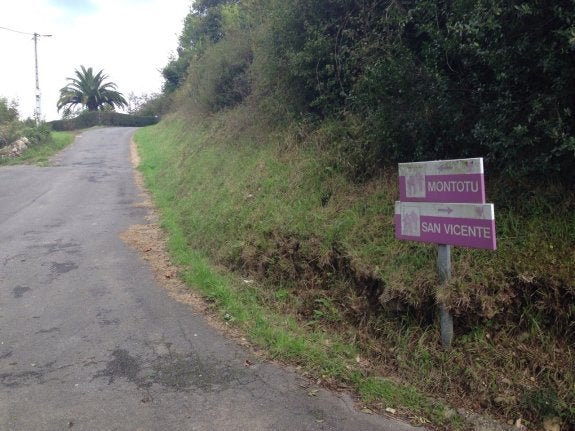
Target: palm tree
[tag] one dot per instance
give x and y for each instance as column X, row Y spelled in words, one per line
column 90, row 91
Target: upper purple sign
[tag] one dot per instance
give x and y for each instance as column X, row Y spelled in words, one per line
column 455, row 181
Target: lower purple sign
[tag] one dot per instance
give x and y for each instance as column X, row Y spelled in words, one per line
column 466, row 225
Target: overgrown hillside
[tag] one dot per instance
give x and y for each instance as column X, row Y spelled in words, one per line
column 405, row 80
column 279, row 164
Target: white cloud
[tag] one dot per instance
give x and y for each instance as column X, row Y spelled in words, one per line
column 75, row 6
column 130, row 40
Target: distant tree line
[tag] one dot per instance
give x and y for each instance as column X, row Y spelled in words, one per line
column 404, row 79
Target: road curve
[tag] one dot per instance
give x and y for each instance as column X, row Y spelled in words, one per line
column 89, row 341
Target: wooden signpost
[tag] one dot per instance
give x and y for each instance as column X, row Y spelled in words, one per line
column 443, row 202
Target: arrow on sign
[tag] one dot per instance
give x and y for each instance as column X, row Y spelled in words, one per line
column 445, row 210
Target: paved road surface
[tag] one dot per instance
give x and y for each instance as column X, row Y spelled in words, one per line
column 89, row 341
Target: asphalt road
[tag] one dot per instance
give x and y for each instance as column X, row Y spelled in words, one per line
column 89, row 341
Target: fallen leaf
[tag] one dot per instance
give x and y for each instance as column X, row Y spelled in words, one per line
column 419, row 420
column 367, row 411
column 312, row 392
column 390, row 410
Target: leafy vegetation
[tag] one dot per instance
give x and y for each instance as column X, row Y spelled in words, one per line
column 147, row 105
column 41, row 154
column 8, row 111
column 91, row 118
column 280, row 164
column 12, row 128
column 407, row 80
column 42, row 142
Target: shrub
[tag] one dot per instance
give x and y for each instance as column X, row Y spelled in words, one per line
column 221, row 79
column 432, row 80
column 91, row 119
column 37, row 135
column 8, row 110
column 9, row 132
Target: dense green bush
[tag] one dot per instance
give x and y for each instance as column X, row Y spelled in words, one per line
column 220, row 80
column 11, row 128
column 8, row 111
column 8, row 121
column 102, row 118
column 37, row 135
column 154, row 105
column 498, row 82
column 435, row 79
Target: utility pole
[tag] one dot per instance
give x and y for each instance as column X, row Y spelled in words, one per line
column 38, row 109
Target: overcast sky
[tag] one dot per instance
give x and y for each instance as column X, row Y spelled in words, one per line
column 130, row 39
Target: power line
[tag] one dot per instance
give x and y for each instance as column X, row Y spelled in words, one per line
column 25, row 32
column 16, row 31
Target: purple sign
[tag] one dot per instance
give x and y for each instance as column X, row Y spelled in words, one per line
column 467, row 225
column 457, row 181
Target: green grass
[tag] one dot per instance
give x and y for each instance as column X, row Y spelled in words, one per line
column 41, row 154
column 274, row 210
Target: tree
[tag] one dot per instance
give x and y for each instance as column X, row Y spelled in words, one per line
column 203, row 27
column 8, row 110
column 91, row 91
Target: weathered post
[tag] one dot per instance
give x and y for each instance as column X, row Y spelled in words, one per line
column 445, row 318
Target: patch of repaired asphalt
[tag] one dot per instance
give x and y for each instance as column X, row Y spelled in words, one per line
column 19, row 291
column 175, row 371
column 64, row 267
